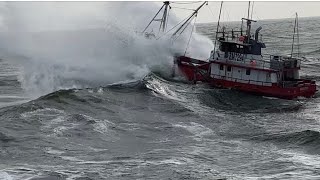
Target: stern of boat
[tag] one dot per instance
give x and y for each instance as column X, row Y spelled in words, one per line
column 307, row 88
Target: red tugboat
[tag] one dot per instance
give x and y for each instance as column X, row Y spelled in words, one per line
column 237, row 63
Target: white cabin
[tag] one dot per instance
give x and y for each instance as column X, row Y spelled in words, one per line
column 243, row 63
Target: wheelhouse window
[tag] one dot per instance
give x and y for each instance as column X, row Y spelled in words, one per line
column 248, row 71
column 221, row 67
column 236, row 48
column 229, row 68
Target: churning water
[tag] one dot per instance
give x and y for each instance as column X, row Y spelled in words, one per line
column 85, row 102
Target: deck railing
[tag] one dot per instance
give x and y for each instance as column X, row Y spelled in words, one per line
column 234, row 35
column 274, row 62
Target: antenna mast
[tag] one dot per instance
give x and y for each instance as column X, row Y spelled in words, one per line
column 215, row 41
column 294, row 32
column 248, row 24
column 298, row 35
column 252, row 9
column 248, row 10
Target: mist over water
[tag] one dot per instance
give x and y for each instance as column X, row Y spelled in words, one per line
column 140, row 126
column 87, row 44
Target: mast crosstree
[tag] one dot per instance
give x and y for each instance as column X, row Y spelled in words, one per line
column 163, row 20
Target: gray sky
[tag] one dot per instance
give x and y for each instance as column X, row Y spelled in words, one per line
column 235, row 10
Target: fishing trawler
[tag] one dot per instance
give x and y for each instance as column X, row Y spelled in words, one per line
column 238, row 63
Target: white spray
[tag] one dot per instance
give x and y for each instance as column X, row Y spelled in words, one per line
column 85, row 44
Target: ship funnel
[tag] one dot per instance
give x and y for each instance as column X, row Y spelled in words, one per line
column 257, row 33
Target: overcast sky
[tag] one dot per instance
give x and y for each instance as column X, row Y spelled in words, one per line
column 234, row 11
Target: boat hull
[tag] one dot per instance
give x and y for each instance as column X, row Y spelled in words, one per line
column 197, row 70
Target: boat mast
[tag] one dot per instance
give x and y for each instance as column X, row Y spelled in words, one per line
column 298, row 35
column 294, row 32
column 248, row 10
column 163, row 20
column 248, row 24
column 252, row 9
column 215, row 42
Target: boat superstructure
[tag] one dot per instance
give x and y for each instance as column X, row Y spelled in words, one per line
column 238, row 63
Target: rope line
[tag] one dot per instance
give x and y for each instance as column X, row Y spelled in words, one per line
column 210, row 11
column 176, row 37
column 195, row 19
column 173, row 28
column 183, row 8
column 186, row 2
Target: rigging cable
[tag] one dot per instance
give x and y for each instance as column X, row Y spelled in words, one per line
column 215, row 42
column 187, row 25
column 164, row 18
column 252, row 9
column 153, row 19
column 186, row 2
column 167, row 18
column 184, row 8
column 186, row 22
column 189, row 19
column 173, row 27
column 194, row 24
column 298, row 35
column 248, row 10
column 294, row 32
column 176, row 37
column 210, row 11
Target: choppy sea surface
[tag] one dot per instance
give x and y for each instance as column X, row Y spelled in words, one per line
column 163, row 128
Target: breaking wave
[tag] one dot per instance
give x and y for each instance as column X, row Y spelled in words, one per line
column 62, row 45
column 190, row 97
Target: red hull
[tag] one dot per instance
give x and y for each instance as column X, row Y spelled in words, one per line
column 196, row 70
